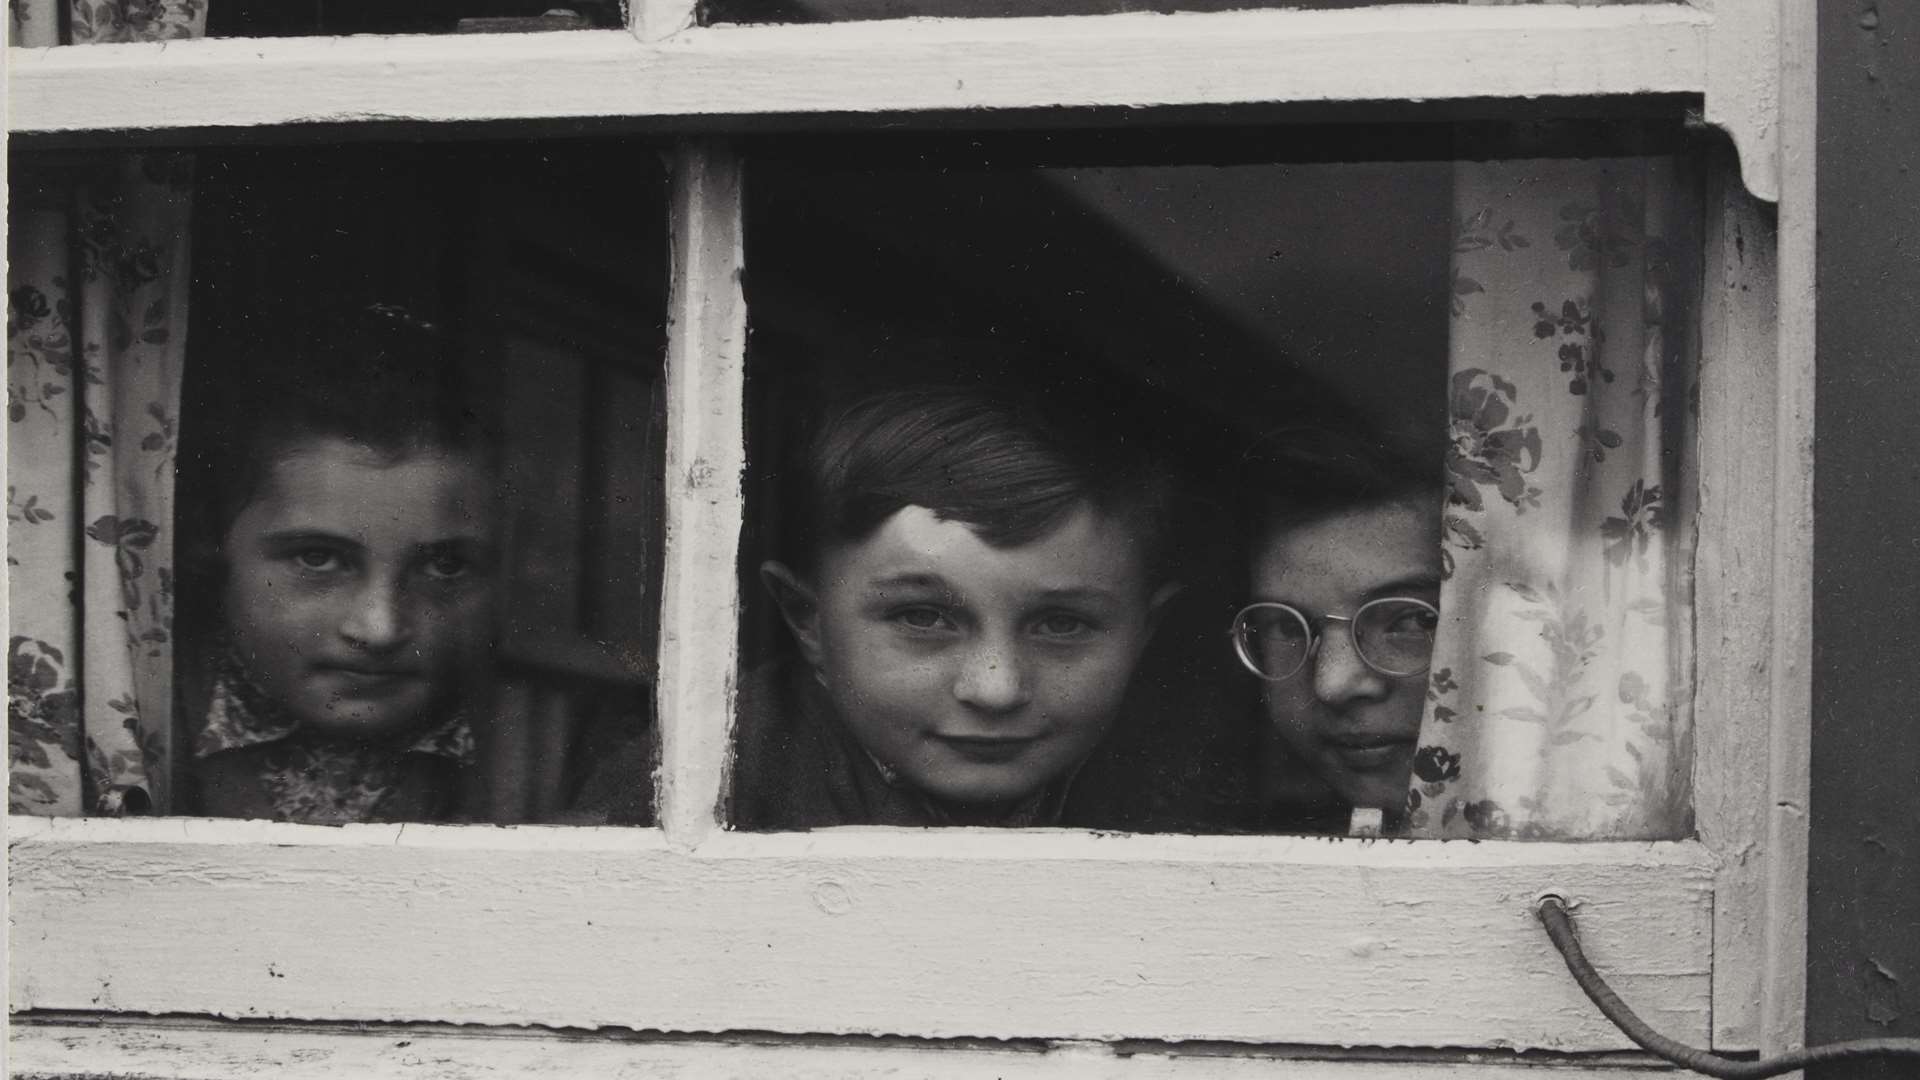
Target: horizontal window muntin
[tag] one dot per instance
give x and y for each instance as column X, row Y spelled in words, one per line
column 1441, row 52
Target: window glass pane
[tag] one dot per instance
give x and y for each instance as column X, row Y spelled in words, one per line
column 1106, row 484
column 368, row 470
column 806, row 11
column 84, row 22
column 265, row 18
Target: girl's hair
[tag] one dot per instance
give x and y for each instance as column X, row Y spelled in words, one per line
column 1012, row 470
column 377, row 376
column 1299, row 474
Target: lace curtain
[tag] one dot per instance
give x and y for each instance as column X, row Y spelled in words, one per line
column 1559, row 698
column 96, row 331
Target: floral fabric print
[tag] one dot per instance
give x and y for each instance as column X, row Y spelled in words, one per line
column 37, row 22
column 96, row 329
column 319, row 782
column 96, row 323
column 1557, row 699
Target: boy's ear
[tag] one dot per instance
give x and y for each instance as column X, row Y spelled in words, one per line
column 1157, row 603
column 798, row 607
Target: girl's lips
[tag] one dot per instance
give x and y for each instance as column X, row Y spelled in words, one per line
column 988, row 750
column 364, row 668
column 370, row 680
column 1370, row 754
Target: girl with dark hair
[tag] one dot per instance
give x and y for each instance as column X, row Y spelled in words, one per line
column 351, row 532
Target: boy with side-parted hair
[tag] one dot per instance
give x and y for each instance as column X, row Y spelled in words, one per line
column 971, row 586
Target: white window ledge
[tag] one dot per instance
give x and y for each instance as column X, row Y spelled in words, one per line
column 928, row 934
column 71, row 1047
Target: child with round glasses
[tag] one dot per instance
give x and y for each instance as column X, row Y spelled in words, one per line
column 1344, row 584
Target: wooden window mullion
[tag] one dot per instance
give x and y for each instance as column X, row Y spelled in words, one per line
column 706, row 452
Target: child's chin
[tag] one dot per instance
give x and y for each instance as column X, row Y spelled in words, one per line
column 983, row 791
column 371, row 725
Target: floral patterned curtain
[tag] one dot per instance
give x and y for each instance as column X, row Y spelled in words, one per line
column 96, row 329
column 1558, row 706
column 37, row 22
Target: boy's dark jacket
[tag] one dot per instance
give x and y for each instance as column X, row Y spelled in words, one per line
column 797, row 767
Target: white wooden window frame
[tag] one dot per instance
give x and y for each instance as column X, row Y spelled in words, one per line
column 1098, row 948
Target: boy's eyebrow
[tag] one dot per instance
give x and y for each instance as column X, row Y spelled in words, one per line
column 307, row 536
column 912, row 579
column 1423, row 582
column 472, row 540
column 1077, row 592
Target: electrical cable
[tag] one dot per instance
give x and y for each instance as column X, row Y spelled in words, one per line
column 1552, row 912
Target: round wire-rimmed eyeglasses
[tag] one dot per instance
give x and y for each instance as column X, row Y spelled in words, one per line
column 1392, row 635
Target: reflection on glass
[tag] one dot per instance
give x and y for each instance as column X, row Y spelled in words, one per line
column 420, row 488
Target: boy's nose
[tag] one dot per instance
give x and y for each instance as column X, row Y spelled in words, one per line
column 992, row 679
column 377, row 618
column 1340, row 677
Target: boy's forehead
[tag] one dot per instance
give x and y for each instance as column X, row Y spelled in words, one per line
column 309, row 450
column 1087, row 550
column 328, row 480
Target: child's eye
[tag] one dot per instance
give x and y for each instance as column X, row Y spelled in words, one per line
column 444, row 565
column 922, row 618
column 1062, row 625
column 318, row 560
